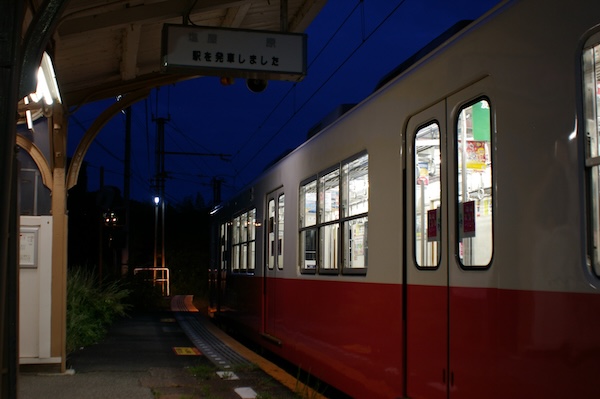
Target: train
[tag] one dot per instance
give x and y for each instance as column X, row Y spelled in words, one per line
column 440, row 239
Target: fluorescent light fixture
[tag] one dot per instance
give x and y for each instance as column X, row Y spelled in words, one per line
column 28, row 115
column 42, row 87
column 47, row 86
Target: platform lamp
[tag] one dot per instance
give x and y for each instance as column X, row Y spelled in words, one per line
column 46, row 90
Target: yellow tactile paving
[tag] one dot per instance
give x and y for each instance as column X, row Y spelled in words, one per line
column 273, row 370
column 186, row 351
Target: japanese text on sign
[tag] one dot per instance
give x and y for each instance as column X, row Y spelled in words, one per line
column 433, row 225
column 242, row 52
column 466, row 219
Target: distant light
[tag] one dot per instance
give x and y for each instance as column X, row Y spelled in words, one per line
column 226, row 80
column 110, row 219
column 156, row 200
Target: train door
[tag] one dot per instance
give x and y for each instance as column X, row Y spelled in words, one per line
column 426, row 268
column 273, row 259
column 450, row 279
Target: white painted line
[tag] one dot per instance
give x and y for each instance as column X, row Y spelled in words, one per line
column 227, row 375
column 245, row 393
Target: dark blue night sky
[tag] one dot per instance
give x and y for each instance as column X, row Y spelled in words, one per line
column 351, row 46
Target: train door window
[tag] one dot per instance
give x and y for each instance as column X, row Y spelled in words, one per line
column 271, row 233
column 329, row 211
column 243, row 242
column 236, row 244
column 308, row 229
column 224, row 246
column 251, row 220
column 355, row 200
column 280, row 225
column 427, row 195
column 474, row 185
column 591, row 109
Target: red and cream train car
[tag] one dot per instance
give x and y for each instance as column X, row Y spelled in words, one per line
column 442, row 238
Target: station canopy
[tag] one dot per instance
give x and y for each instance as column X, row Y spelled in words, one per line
column 103, row 48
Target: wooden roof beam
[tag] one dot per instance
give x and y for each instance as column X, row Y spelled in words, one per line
column 305, row 15
column 150, row 13
column 235, row 16
column 130, row 44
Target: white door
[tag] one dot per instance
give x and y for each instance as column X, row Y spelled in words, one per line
column 450, row 278
column 275, row 205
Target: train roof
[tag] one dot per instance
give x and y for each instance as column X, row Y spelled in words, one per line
column 423, row 52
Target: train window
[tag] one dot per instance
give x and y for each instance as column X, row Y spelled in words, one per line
column 336, row 234
column 271, row 235
column 236, row 245
column 280, row 221
column 428, row 192
column 355, row 204
column 329, row 210
column 243, row 241
column 308, row 204
column 474, row 185
column 251, row 240
column 224, row 245
column 591, row 75
column 308, row 250
column 328, row 248
column 308, row 221
column 329, row 205
column 355, row 179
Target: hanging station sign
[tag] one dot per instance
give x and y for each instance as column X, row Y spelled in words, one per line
column 233, row 52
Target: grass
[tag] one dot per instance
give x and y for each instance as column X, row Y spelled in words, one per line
column 307, row 389
column 91, row 307
column 203, row 371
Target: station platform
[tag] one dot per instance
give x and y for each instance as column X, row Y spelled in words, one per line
column 168, row 355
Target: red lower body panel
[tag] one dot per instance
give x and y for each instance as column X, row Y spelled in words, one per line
column 470, row 342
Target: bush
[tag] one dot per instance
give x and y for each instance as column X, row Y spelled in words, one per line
column 91, row 307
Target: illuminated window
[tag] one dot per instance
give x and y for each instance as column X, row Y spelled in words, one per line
column 333, row 219
column 243, row 240
column 329, row 211
column 474, row 185
column 355, row 197
column 308, row 222
column 275, row 232
column 280, row 225
column 224, row 245
column 235, row 238
column 591, row 108
column 428, row 192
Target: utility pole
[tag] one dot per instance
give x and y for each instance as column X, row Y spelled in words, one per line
column 159, row 199
column 217, row 183
column 126, row 192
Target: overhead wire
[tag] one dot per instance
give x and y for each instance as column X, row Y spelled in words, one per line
column 292, row 88
column 137, row 175
column 281, row 128
column 200, row 164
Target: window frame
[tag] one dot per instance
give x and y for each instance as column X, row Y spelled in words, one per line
column 243, row 243
column 591, row 104
column 457, row 184
column 414, row 199
column 304, row 227
column 339, row 224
